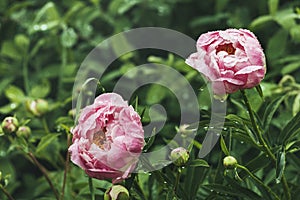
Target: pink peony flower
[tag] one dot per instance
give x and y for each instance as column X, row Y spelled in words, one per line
column 108, row 139
column 231, row 60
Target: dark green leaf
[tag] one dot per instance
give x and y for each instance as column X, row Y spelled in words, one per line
column 270, row 111
column 292, row 127
column 224, row 147
column 198, row 163
column 280, row 165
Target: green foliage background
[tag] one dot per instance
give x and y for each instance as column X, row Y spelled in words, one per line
column 42, row 44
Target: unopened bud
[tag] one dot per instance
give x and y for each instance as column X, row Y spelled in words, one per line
column 116, row 192
column 23, row 131
column 9, row 125
column 38, row 107
column 72, row 113
column 179, row 156
column 229, row 162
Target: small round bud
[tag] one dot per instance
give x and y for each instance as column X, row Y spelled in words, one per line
column 72, row 113
column 229, row 162
column 37, row 107
column 9, row 125
column 116, row 192
column 179, row 156
column 23, row 131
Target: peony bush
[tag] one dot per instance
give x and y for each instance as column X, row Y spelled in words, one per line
column 104, row 139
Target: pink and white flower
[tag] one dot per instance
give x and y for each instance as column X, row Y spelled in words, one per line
column 108, row 139
column 232, row 59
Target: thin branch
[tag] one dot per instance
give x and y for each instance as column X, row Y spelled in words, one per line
column 6, row 193
column 45, row 173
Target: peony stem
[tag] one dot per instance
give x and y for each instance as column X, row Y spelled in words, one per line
column 264, row 144
column 6, row 193
column 255, row 126
column 45, row 125
column 91, row 188
column 66, row 168
column 256, row 179
column 177, row 179
column 25, row 73
column 45, row 173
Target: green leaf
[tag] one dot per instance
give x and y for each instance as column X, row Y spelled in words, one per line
column 224, row 147
column 5, row 82
column 14, row 94
column 126, row 6
column 291, row 67
column 150, row 140
column 286, row 18
column 260, row 21
column 40, row 90
column 8, row 108
column 276, row 44
column 258, row 163
column 198, row 163
column 45, row 141
column 270, row 111
column 46, row 19
column 155, row 94
column 260, row 92
column 296, row 105
column 273, row 6
column 231, row 191
column 290, row 130
column 10, row 50
column 280, row 165
column 295, row 33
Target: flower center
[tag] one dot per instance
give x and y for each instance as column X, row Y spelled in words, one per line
column 226, row 47
column 99, row 138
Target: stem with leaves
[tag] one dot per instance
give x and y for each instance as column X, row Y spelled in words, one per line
column 256, row 179
column 262, row 141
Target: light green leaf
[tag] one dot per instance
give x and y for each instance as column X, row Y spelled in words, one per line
column 40, row 90
column 280, row 165
column 296, row 105
column 273, row 6
column 276, row 44
column 198, row 163
column 290, row 68
column 14, row 94
column 45, row 141
column 224, row 147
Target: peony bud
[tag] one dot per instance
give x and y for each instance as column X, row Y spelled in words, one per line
column 229, row 162
column 116, row 192
column 23, row 131
column 9, row 125
column 72, row 113
column 179, row 156
column 38, row 107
